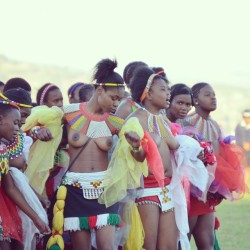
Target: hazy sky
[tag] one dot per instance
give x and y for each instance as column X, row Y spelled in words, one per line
column 193, row 40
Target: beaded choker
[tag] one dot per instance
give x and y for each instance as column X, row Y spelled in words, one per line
column 208, row 129
column 158, row 124
column 15, row 148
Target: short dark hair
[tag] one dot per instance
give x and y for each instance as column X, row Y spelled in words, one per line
column 85, row 91
column 18, row 95
column 71, row 90
column 1, row 83
column 40, row 91
column 139, row 81
column 197, row 87
column 180, row 89
column 129, row 70
column 17, row 82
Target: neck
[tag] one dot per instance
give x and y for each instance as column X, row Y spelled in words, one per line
column 170, row 116
column 93, row 106
column 150, row 108
column 204, row 114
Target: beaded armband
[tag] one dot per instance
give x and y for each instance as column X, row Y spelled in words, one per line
column 136, row 149
column 4, row 161
column 33, row 132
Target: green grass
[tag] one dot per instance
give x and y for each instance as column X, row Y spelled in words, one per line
column 234, row 232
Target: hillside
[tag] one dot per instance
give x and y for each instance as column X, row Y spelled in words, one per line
column 232, row 98
column 37, row 74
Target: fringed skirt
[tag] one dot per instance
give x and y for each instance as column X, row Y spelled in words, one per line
column 82, row 210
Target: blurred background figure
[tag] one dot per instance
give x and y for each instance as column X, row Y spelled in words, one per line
column 242, row 134
column 17, row 82
column 73, row 92
column 1, row 87
column 86, row 92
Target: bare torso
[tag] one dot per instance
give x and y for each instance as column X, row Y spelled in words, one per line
column 94, row 157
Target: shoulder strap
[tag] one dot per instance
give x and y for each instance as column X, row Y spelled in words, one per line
column 80, row 151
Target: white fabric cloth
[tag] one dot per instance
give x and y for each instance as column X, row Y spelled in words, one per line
column 27, row 142
column 185, row 164
column 29, row 229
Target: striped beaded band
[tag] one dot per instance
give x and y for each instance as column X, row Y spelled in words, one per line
column 5, row 100
column 148, row 86
column 111, row 84
column 45, row 92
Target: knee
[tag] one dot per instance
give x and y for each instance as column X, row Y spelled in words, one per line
column 205, row 242
column 105, row 245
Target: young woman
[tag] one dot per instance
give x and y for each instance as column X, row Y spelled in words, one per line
column 181, row 102
column 229, row 176
column 49, row 95
column 156, row 210
column 90, row 128
column 11, row 231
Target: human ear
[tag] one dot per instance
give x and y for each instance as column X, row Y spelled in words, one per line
column 196, row 102
column 99, row 90
column 149, row 94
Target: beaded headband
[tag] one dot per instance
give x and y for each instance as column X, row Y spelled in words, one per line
column 45, row 92
column 5, row 100
column 160, row 72
column 74, row 87
column 148, row 86
column 17, row 103
column 111, row 84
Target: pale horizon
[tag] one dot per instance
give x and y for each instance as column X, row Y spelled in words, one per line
column 192, row 40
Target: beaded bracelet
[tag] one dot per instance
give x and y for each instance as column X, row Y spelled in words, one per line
column 33, row 132
column 136, row 149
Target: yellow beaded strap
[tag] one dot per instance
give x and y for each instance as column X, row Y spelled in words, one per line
column 55, row 241
column 111, row 84
column 18, row 104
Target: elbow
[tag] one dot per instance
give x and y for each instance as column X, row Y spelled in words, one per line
column 175, row 146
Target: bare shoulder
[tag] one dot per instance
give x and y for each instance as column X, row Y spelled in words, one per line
column 141, row 115
column 124, row 109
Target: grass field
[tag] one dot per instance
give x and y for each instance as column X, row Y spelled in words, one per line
column 234, row 232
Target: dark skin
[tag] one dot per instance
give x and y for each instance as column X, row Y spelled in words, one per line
column 160, row 228
column 205, row 103
column 54, row 98
column 179, row 107
column 124, row 109
column 202, row 226
column 102, row 103
column 9, row 126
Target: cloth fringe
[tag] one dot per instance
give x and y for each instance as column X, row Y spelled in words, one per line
column 92, row 222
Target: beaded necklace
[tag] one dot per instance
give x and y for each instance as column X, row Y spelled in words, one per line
column 80, row 119
column 209, row 129
column 4, row 161
column 15, row 148
column 158, row 124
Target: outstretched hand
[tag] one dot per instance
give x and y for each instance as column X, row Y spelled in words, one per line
column 133, row 139
column 44, row 134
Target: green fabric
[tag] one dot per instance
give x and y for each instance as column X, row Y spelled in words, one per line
column 84, row 223
column 55, row 247
column 114, row 220
column 216, row 242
